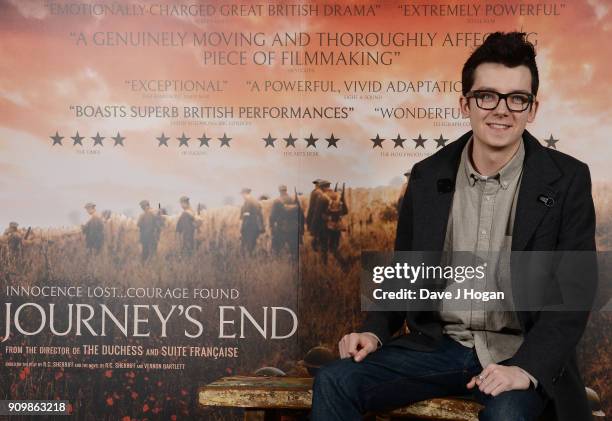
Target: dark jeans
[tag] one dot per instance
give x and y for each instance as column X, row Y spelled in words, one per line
column 392, row 377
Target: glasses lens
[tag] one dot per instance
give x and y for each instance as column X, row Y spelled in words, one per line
column 486, row 100
column 518, row 102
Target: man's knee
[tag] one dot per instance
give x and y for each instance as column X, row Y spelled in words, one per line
column 338, row 377
column 508, row 406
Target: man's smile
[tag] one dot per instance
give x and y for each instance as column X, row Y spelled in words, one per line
column 499, row 126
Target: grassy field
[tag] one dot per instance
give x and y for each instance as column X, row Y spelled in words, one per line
column 318, row 292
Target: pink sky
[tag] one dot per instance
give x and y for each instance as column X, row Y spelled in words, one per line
column 43, row 72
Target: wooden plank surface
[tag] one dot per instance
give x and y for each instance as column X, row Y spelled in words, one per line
column 258, row 382
column 296, row 393
column 258, row 392
column 268, row 393
column 454, row 409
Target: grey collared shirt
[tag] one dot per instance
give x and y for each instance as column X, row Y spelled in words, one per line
column 480, row 222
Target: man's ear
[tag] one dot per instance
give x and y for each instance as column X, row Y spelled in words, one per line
column 532, row 111
column 464, row 105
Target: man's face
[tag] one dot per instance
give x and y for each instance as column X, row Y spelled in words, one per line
column 91, row 211
column 184, row 205
column 500, row 127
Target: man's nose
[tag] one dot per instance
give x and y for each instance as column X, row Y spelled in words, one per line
column 502, row 107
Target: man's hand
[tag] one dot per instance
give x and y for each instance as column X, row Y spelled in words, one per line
column 496, row 379
column 357, row 345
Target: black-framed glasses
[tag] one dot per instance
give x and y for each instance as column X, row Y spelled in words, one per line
column 489, row 100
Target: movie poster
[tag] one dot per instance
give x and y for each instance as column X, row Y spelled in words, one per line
column 157, row 166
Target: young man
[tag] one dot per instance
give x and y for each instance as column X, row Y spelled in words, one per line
column 495, row 189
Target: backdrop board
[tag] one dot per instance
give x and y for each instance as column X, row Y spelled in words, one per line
column 147, row 248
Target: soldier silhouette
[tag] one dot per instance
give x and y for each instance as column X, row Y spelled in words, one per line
column 318, row 223
column 333, row 224
column 14, row 241
column 93, row 229
column 311, row 224
column 252, row 223
column 284, row 222
column 150, row 224
column 186, row 227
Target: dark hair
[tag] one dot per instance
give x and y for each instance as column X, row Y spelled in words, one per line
column 510, row 49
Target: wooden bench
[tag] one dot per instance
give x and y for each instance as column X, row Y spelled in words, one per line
column 276, row 398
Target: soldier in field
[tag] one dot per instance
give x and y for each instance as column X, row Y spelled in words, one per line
column 93, row 229
column 312, row 206
column 252, row 222
column 186, row 228
column 13, row 238
column 284, row 222
column 333, row 224
column 150, row 224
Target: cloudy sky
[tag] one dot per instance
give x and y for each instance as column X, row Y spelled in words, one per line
column 45, row 72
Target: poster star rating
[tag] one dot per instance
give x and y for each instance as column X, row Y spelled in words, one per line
column 118, row 140
column 204, row 140
column 290, row 141
column 269, row 140
column 98, row 139
column 183, row 140
column 311, row 141
column 378, row 141
column 77, row 140
column 419, row 141
column 399, row 142
column 57, row 139
column 163, row 140
column 551, row 142
column 332, row 141
column 225, row 141
column 441, row 141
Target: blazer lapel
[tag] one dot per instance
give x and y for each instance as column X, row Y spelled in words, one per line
column 536, row 193
column 437, row 190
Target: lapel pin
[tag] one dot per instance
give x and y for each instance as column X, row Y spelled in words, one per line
column 547, row 200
